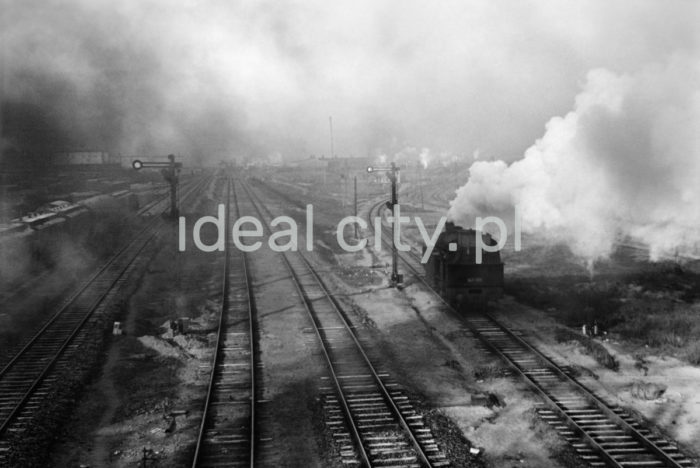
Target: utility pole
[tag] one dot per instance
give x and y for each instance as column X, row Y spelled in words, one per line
column 330, row 124
column 345, row 188
column 393, row 172
column 420, row 184
column 5, row 215
column 354, row 179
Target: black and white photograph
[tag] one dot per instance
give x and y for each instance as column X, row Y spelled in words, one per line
column 339, row 234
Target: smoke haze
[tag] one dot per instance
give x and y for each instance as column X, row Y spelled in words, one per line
column 213, row 79
column 407, row 80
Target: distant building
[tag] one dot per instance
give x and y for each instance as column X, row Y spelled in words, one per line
column 73, row 158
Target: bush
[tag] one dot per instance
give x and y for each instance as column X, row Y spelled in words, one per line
column 562, row 335
column 601, row 354
column 592, row 347
column 491, row 371
column 693, row 355
column 657, row 324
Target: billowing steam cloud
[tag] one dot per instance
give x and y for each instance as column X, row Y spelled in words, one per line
column 624, row 162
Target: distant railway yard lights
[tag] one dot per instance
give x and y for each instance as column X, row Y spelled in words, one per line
column 393, row 175
column 171, row 173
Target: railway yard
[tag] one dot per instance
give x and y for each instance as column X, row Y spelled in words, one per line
column 309, row 357
column 312, row 234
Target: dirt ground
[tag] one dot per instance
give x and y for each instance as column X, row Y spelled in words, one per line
column 292, row 434
column 649, row 312
column 146, row 401
column 539, row 274
column 38, row 273
column 676, row 412
column 151, row 389
column 441, row 362
column 433, row 356
column 150, row 374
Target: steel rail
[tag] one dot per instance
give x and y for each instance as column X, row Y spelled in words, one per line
column 585, row 392
column 390, row 401
column 76, row 329
column 201, row 438
column 422, row 456
column 220, row 327
column 67, row 302
column 365, row 460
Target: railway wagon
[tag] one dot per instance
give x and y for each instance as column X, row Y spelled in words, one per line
column 453, row 272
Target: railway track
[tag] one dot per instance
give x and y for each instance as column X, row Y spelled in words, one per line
column 227, row 434
column 14, row 291
column 370, row 417
column 26, row 379
column 161, row 201
column 602, row 433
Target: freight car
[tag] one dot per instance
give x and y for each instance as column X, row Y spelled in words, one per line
column 453, row 272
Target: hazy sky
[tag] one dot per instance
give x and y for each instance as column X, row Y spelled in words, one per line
column 254, row 78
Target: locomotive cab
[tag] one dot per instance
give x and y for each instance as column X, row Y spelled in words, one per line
column 453, row 272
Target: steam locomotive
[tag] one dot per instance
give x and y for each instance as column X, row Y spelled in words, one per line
column 453, row 272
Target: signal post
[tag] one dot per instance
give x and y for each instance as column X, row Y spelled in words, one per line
column 392, row 173
column 171, row 173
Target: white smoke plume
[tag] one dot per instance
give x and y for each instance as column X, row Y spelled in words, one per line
column 411, row 156
column 625, row 162
column 425, row 157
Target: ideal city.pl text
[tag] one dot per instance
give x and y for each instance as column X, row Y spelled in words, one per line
column 286, row 235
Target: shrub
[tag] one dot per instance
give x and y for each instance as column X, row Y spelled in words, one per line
column 693, row 355
column 592, row 347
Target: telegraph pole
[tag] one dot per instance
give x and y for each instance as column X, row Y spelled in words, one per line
column 354, row 179
column 420, row 183
column 330, row 124
column 343, row 178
